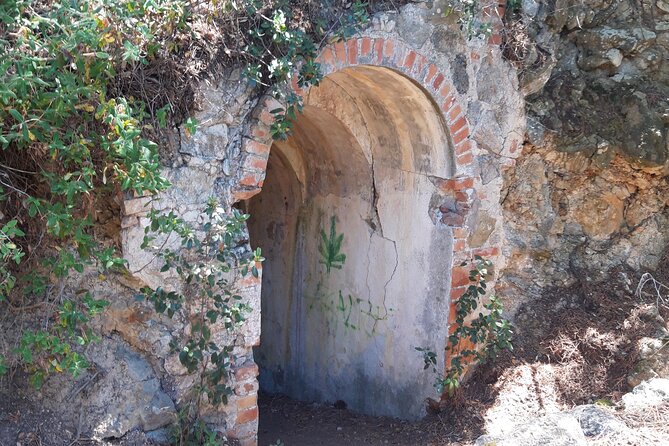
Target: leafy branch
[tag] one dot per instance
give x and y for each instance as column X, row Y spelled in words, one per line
column 476, row 339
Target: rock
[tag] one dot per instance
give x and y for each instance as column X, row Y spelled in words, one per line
column 530, row 7
column 128, row 396
column 412, row 26
column 628, row 40
column 595, row 421
column 553, row 430
column 647, row 394
column 653, row 361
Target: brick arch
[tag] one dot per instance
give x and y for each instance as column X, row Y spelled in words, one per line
column 398, row 56
column 389, row 53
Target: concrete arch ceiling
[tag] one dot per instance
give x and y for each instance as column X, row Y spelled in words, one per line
column 363, row 155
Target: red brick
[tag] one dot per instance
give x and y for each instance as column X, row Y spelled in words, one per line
column 457, row 292
column 353, row 52
column 246, row 372
column 388, row 49
column 420, row 63
column 445, row 90
column 486, row 252
column 437, row 81
column 410, row 59
column 448, row 104
column 326, row 57
column 251, row 146
column 463, row 183
column 366, row 46
column 461, row 196
column 246, row 416
column 451, row 329
column 459, row 277
column 247, row 402
column 460, row 233
column 340, row 53
column 452, row 313
column 249, row 180
column 378, row 50
column 266, row 117
column 457, row 125
column 242, row 389
column 454, row 112
column 465, row 160
column 461, row 136
column 463, row 147
column 260, row 131
column 245, row 194
column 459, row 245
column 255, row 163
column 495, row 39
column 431, row 71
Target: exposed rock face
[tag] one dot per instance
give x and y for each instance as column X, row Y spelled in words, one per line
column 594, row 196
column 567, row 216
column 582, row 424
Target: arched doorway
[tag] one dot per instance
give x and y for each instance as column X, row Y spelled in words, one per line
column 358, row 268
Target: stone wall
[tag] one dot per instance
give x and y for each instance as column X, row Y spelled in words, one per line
column 575, row 188
column 468, row 87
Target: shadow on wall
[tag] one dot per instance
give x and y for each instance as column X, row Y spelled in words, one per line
column 357, row 272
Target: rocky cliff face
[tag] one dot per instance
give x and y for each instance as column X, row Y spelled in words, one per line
column 590, row 190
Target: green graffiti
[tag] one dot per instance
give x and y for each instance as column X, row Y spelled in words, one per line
column 330, row 248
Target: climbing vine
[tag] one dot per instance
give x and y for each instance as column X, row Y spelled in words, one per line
column 79, row 120
column 469, row 15
column 476, row 338
column 203, row 265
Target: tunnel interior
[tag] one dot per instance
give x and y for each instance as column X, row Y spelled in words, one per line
column 357, row 269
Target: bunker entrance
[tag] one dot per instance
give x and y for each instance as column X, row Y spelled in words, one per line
column 357, row 273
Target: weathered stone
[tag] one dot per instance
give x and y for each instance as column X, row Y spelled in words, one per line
column 412, row 24
column 127, row 396
column 555, row 430
column 489, row 168
column 482, row 231
column 597, row 421
column 653, row 360
column 647, row 394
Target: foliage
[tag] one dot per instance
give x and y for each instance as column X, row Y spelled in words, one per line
column 282, row 50
column 204, row 264
column 68, row 142
column 330, row 248
column 475, row 339
column 469, row 13
column 77, row 129
column 186, row 432
column 45, row 352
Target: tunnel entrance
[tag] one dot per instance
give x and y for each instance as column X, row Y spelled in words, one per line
column 357, row 270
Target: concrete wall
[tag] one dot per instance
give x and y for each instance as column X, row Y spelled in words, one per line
column 365, row 147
